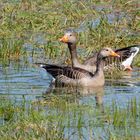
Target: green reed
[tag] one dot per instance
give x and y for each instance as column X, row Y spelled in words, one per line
column 10, row 49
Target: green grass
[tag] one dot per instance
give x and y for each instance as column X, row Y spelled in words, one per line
column 58, row 117
column 24, row 19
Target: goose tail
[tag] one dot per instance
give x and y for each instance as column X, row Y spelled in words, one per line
column 127, row 55
column 127, row 51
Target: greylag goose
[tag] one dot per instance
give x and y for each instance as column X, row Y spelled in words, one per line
column 75, row 76
column 124, row 62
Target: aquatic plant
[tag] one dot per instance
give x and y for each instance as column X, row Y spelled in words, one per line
column 60, row 117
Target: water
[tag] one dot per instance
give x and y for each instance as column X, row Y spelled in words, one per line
column 25, row 81
column 31, row 81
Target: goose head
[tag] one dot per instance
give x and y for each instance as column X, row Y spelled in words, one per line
column 69, row 37
column 105, row 52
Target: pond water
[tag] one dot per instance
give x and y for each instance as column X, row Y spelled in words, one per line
column 18, row 79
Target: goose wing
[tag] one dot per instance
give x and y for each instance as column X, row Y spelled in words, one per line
column 67, row 72
column 126, row 57
column 128, row 51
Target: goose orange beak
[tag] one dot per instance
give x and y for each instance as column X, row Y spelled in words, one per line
column 114, row 54
column 64, row 39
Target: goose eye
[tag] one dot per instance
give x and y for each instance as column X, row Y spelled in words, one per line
column 70, row 34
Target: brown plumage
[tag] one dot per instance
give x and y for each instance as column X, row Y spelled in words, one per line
column 75, row 76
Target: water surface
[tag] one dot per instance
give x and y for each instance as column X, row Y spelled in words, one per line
column 31, row 82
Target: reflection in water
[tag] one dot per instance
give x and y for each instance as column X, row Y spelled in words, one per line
column 98, row 92
column 32, row 82
column 74, row 96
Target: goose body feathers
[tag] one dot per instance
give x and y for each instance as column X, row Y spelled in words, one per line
column 68, row 75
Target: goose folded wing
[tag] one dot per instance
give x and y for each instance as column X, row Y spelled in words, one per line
column 127, row 52
column 124, row 54
column 69, row 72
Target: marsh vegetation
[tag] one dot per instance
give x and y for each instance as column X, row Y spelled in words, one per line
column 29, row 32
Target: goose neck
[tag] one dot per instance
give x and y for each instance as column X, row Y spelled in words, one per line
column 99, row 64
column 73, row 53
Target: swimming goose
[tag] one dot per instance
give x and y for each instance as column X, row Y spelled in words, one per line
column 124, row 62
column 75, row 76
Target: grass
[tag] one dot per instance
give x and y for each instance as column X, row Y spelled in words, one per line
column 64, row 119
column 25, row 18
